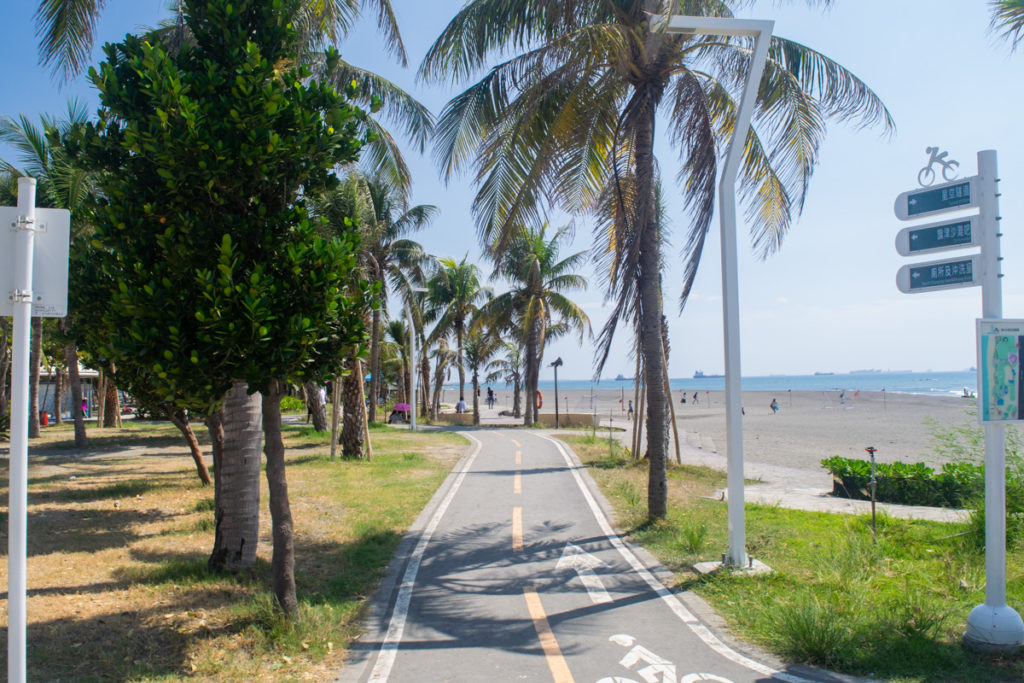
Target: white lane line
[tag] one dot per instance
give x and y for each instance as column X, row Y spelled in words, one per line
column 702, row 632
column 389, row 647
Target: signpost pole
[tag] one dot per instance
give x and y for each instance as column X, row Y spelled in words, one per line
column 993, row 625
column 17, row 543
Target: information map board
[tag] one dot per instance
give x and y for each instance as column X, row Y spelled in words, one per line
column 1000, row 394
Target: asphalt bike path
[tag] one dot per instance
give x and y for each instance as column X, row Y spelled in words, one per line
column 513, row 573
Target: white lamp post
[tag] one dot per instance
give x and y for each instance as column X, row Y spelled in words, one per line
column 761, row 32
column 412, row 356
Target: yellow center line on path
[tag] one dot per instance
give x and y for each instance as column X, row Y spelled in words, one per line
column 519, row 457
column 515, row 443
column 556, row 662
column 517, row 529
column 517, row 482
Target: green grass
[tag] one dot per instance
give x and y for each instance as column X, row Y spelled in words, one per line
column 894, row 610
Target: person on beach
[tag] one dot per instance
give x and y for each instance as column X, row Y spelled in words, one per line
column 695, row 398
column 460, row 407
column 683, row 399
column 490, row 397
column 629, row 413
column 774, row 405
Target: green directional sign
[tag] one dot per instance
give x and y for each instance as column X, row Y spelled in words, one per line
column 943, row 236
column 957, row 195
column 928, row 276
column 941, row 198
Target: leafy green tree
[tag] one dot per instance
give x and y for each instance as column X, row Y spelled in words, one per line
column 66, row 29
column 219, row 280
column 509, row 369
column 453, row 297
column 570, row 120
column 1008, row 19
column 536, row 304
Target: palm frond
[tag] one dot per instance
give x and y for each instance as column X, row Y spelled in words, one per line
column 65, row 29
column 1008, row 20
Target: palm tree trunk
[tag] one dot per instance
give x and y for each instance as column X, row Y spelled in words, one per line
column 36, row 359
column 649, row 290
column 374, row 364
column 112, row 406
column 532, row 372
column 459, row 333
column 637, row 386
column 283, row 560
column 316, row 407
column 335, row 415
column 476, row 399
column 58, row 390
column 517, row 405
column 71, row 360
column 180, row 420
column 352, row 421
column 425, row 389
column 236, row 433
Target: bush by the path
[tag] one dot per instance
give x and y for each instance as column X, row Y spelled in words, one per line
column 957, row 485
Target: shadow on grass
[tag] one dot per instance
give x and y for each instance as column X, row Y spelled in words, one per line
column 187, row 612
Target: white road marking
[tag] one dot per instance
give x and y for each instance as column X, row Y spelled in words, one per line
column 702, row 631
column 389, row 648
column 584, row 564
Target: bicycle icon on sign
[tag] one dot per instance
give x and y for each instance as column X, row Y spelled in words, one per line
column 926, row 176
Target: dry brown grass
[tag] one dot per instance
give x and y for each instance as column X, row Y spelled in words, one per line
column 118, row 539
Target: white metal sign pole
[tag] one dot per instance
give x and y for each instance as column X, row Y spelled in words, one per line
column 993, row 625
column 17, row 542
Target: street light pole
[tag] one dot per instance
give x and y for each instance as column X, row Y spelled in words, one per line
column 556, row 364
column 761, row 32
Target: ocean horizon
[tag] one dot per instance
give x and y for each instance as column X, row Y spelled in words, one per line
column 951, row 383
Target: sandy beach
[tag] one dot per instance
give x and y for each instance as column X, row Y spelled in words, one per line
column 808, row 427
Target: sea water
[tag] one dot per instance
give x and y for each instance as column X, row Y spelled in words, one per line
column 929, row 383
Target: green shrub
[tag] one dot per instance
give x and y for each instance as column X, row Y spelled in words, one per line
column 291, row 404
column 957, row 485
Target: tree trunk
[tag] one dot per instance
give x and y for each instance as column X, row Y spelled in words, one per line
column 71, row 360
column 459, row 333
column 352, row 432
column 58, row 390
column 316, row 407
column 335, row 415
column 112, row 406
column 282, row 562
column 35, row 363
column 236, row 433
column 532, row 372
column 180, row 420
column 649, row 290
column 374, row 364
column 476, row 399
column 425, row 388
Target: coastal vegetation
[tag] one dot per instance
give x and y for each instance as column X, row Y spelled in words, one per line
column 891, row 610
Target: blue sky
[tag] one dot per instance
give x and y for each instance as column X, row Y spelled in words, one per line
column 828, row 300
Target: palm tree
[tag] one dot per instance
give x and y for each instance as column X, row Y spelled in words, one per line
column 571, row 120
column 59, row 184
column 509, row 369
column 1008, row 18
column 480, row 346
column 454, row 292
column 388, row 254
column 536, row 303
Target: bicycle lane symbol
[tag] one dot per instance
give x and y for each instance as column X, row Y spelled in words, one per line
column 926, row 176
column 657, row 669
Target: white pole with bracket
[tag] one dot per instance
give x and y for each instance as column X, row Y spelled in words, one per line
column 17, row 542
